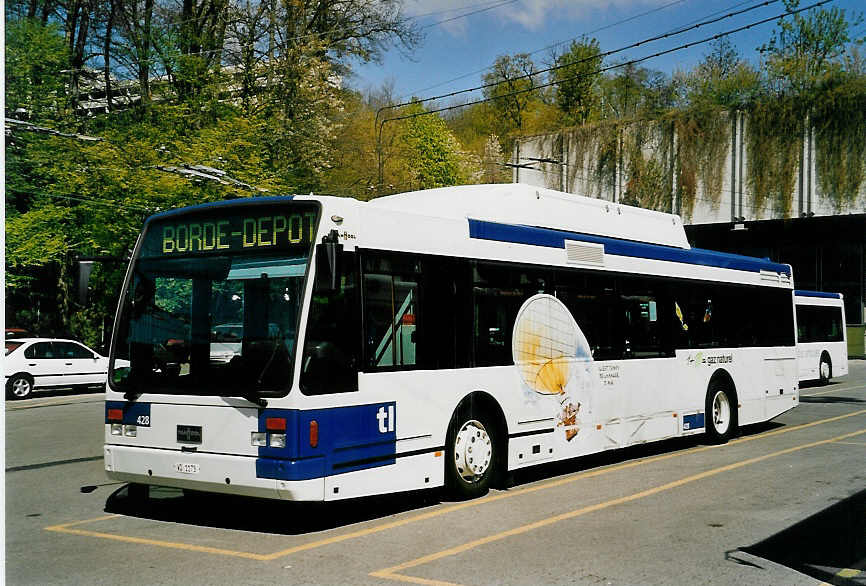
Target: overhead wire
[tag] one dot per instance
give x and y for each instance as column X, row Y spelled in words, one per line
column 602, row 55
column 114, row 204
column 441, row 22
column 599, row 29
column 162, row 58
column 490, row 4
column 597, row 71
column 586, row 34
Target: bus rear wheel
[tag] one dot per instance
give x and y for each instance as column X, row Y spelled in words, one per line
column 721, row 413
column 825, row 369
column 470, row 454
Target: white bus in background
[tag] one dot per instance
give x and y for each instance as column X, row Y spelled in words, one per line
column 433, row 338
column 822, row 347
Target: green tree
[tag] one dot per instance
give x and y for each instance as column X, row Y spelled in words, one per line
column 511, row 81
column 576, row 77
column 807, row 47
column 354, row 162
column 625, row 93
column 36, row 56
column 432, row 151
column 722, row 78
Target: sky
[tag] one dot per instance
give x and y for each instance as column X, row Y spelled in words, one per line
column 462, row 38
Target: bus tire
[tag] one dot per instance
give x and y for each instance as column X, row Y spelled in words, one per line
column 471, row 454
column 721, row 411
column 825, row 369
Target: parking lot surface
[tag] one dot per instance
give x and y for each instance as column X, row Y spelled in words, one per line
column 784, row 503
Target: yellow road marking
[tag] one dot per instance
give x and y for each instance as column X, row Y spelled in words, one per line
column 847, row 573
column 160, row 543
column 65, row 528
column 828, row 391
column 73, row 523
column 392, row 572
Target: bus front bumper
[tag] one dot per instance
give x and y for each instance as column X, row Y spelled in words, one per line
column 227, row 474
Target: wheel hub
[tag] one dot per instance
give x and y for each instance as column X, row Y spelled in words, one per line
column 21, row 387
column 825, row 370
column 721, row 412
column 473, row 451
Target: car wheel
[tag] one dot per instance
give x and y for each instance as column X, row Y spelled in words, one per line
column 721, row 412
column 471, row 454
column 20, row 386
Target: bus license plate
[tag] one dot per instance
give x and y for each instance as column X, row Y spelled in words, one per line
column 185, row 468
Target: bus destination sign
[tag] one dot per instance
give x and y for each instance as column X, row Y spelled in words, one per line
column 247, row 230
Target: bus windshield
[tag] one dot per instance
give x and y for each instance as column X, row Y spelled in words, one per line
column 213, row 302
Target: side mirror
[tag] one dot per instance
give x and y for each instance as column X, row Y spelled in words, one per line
column 328, row 269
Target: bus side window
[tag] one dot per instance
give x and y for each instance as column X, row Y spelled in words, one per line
column 391, row 316
column 444, row 335
column 773, row 314
column 649, row 318
column 330, row 360
column 697, row 326
column 819, row 324
column 592, row 302
column 498, row 292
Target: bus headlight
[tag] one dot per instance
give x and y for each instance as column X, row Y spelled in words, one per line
column 116, row 429
column 130, row 430
column 278, row 440
column 259, row 438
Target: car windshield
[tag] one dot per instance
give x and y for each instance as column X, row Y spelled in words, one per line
column 11, row 346
column 216, row 324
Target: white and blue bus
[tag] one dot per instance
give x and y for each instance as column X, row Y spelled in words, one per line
column 317, row 348
column 822, row 347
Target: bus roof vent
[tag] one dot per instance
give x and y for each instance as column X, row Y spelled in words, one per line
column 785, row 278
column 772, row 276
column 584, row 253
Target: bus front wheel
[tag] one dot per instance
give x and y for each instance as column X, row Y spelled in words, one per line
column 721, row 412
column 471, row 454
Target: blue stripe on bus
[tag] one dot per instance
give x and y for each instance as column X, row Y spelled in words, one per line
column 131, row 412
column 349, row 438
column 548, row 237
column 218, row 204
column 817, row 294
column 693, row 421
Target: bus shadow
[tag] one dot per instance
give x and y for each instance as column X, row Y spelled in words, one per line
column 811, row 384
column 831, row 400
column 296, row 518
column 816, row 384
column 823, row 546
column 262, row 515
column 619, row 456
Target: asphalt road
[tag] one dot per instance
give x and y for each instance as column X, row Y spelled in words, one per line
column 785, row 503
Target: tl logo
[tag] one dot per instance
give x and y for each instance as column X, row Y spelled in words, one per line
column 386, row 419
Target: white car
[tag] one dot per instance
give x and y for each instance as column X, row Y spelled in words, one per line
column 43, row 363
